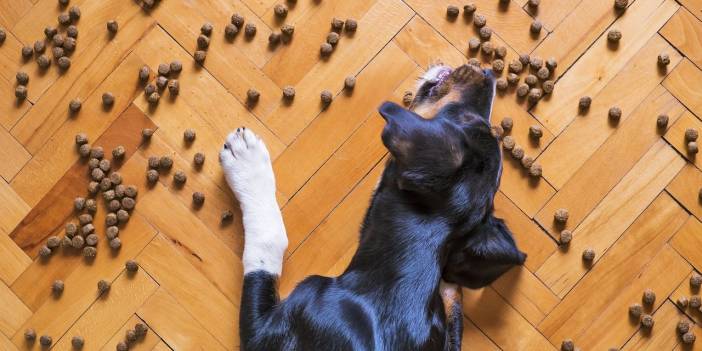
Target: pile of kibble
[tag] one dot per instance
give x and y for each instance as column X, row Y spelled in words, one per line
column 166, row 74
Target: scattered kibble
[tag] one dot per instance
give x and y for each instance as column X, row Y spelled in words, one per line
column 567, row 345
column 152, row 176
column 200, row 56
column 695, row 302
column 112, row 27
column 91, row 205
column 691, row 134
column 280, row 10
column 27, row 52
column 250, row 30
column 274, row 38
column 45, row 341
column 350, row 83
column 131, row 266
column 79, row 204
column 527, row 161
column 141, row 329
column 536, row 63
column 89, row 252
column 351, row 25
column 615, row 113
column 165, row 163
column 497, row 131
column 64, row 63
column 179, row 177
column 535, row 170
column 44, row 251
column 337, row 24
column 533, row 3
column 326, row 49
column 407, row 98
column 535, row 27
column 498, row 65
column 543, row 73
column 662, row 121
column 108, row 99
column 189, row 135
column 69, row 44
column 584, row 103
column 561, row 215
column 516, row 66
column 531, row 80
column 198, row 198
column 535, row 94
column 333, row 38
column 565, row 237
column 77, row 342
column 648, row 297
column 689, row 338
column 479, row 21
column 53, row 242
column 30, row 335
column 647, row 321
column 57, row 287
column 452, row 11
column 91, row 239
column 227, row 215
column 206, row 29
column 501, row 84
column 614, row 35
column 522, row 90
column 473, row 44
column 500, row 52
column 682, row 301
column 74, row 13
column 518, row 152
column 288, row 93
column 164, row 69
column 695, row 281
column 75, row 105
column 237, row 20
column 548, row 86
column 64, row 19
column 683, row 327
column 118, row 153
column 326, row 97
column 115, row 244
column 154, row 162
column 487, row 48
column 485, row 33
column 85, row 218
column 122, row 346
column 174, row 87
column 112, row 231
column 588, row 254
column 72, row 31
column 252, row 96
column 21, row 92
column 621, row 4
column 663, row 59
column 161, row 82
column 636, row 310
column 39, row 47
column 103, row 286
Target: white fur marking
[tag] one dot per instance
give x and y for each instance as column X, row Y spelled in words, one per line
column 432, row 74
column 247, row 168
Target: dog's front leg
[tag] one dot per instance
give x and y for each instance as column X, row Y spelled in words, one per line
column 248, row 170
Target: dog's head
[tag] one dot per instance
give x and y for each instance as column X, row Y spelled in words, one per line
column 446, row 161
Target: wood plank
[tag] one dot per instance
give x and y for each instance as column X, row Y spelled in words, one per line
column 687, row 240
column 685, row 188
column 12, row 207
column 175, row 325
column 604, row 225
column 526, row 294
column 376, row 27
column 619, row 267
column 664, row 335
column 161, row 346
column 336, row 235
column 528, row 193
column 474, row 339
column 14, row 260
column 676, row 136
column 13, row 157
column 217, row 314
column 55, row 316
column 682, row 83
column 58, row 154
column 11, row 110
column 500, row 322
column 585, row 135
column 694, row 6
column 666, row 271
column 149, row 342
column 530, row 238
column 13, row 312
column 109, row 313
column 50, row 213
column 552, row 12
column 687, row 291
column 6, row 344
column 12, row 11
column 331, row 128
column 594, row 179
column 600, row 64
column 684, row 32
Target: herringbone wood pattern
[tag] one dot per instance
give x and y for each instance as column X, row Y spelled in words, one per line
column 631, row 189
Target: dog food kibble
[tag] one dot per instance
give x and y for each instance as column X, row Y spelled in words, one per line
column 105, row 165
column 695, row 302
column 516, row 66
column 501, row 52
column 227, row 215
column 45, row 340
column 112, row 27
column 621, row 4
column 21, row 92
column 203, row 42
column 91, row 206
column 230, row 31
column 474, row 62
column 691, row 134
column 496, row 131
column 543, row 73
column 122, row 216
column 337, row 24
column 30, row 335
column 154, row 162
column 615, row 113
column 64, row 19
column 548, row 86
column 535, row 132
column 189, row 135
column 106, row 184
column 498, row 66
column 274, row 38
column 112, row 231
column 64, row 63
column 200, row 56
column 584, row 103
column 77, row 342
column 501, row 84
column 682, row 302
column 165, row 162
column 44, row 251
column 479, row 21
column 287, row 30
column 39, row 47
column 531, row 80
column 588, row 254
column 131, row 266
column 535, row 170
column 131, row 191
column 85, row 218
column 648, row 297
column 75, row 105
column 326, row 97
column 280, row 10
column 141, row 329
column 536, row 63
column 508, row 143
column 535, row 27
column 199, row 159
column 115, row 244
column 469, row 9
column 683, row 327
column 91, row 240
column 487, row 48
column 452, row 11
column 350, row 83
column 179, row 177
column 84, row 151
column 636, row 310
column 535, row 94
column 198, row 198
column 692, row 147
column 507, row 123
column 614, row 35
column 333, row 38
column 53, row 242
column 473, row 44
column 3, row 36
column 663, row 59
column 118, row 152
column 93, row 187
column 561, row 215
column 128, row 203
column 111, row 219
column 485, row 33
column 161, row 82
column 72, row 31
column 647, row 321
column 527, row 161
column 57, row 287
column 288, row 93
column 108, row 99
column 22, row 78
column 695, row 281
column 407, row 98
column 79, row 203
column 206, row 29
column 326, row 49
column 164, row 69
column 69, row 44
column 523, row 90
column 252, row 95
column 689, row 338
column 351, row 25
column 130, row 336
column 662, row 121
column 87, row 229
column 103, row 286
column 71, row 229
column 74, row 13
column 250, row 30
column 567, row 345
column 27, row 52
column 152, row 176
column 237, row 20
column 122, row 346
column 518, row 152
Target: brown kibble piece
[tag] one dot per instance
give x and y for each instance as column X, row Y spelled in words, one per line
column 535, row 27
column 621, row 4
column 508, row 142
column 527, row 161
column 154, row 98
column 469, row 10
column 165, row 162
column 206, row 29
column 516, row 66
column 287, row 30
column 535, row 94
column 584, row 103
column 501, row 51
column 179, row 177
column 128, row 203
column 561, row 215
column 695, row 280
column 689, row 338
column 536, row 63
column 485, row 33
column 615, row 113
column 531, row 80
column 85, row 218
column 227, row 215
column 497, row 131
column 237, row 20
column 507, row 123
column 647, row 321
column 64, row 63
column 91, row 239
column 74, row 12
column 30, row 335
column 691, row 134
column 39, row 47
column 103, row 286
column 589, row 254
column 452, row 11
column 112, row 27
column 535, row 170
column 288, row 93
column 112, row 231
column 473, row 44
column 154, row 162
column 164, row 69
column 44, row 251
column 252, row 95
column 695, row 302
column 122, row 216
column 498, row 66
column 116, row 243
column 543, row 73
column 351, row 25
column 648, row 297
column 250, row 30
column 22, row 78
column 200, row 56
column 518, row 152
column 141, row 329
column 108, row 99
column 692, row 147
column 280, row 10
column 548, row 86
column 486, row 48
column 122, row 346
column 64, row 19
column 663, row 59
column 326, row 97
column 79, row 204
column 203, row 42
column 189, row 135
column 77, row 342
column 58, row 39
column 89, row 252
column 614, row 35
column 152, row 176
column 682, row 302
column 71, row 229
column 567, row 345
column 501, row 84
column 57, row 287
column 350, row 83
column 407, row 98
column 326, row 49
column 565, row 237
column 45, row 341
column 53, row 242
column 21, row 92
column 333, row 38
column 131, row 266
column 533, row 3
column 683, row 327
column 337, row 24
column 662, row 121
column 479, row 21
column 199, row 159
column 198, row 198
column 636, row 310
column 522, row 90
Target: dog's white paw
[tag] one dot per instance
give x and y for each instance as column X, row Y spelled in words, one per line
column 247, row 166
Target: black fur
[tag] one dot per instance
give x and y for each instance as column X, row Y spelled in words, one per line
column 431, row 217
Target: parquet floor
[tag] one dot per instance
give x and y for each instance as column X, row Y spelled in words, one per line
column 631, row 189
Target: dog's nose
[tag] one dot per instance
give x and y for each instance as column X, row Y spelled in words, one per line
column 488, row 73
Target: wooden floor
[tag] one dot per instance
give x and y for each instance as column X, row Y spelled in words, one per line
column 630, row 188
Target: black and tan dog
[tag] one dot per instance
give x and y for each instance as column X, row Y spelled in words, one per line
column 431, row 217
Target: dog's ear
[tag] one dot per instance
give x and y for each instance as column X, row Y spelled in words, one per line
column 399, row 124
column 483, row 255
